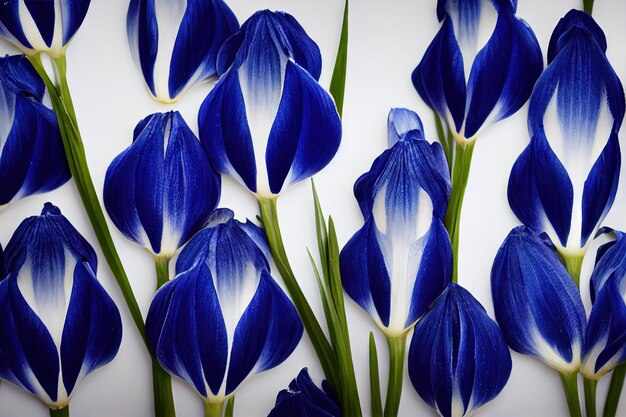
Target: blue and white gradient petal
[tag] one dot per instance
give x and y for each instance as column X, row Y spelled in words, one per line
column 223, row 317
column 458, row 359
column 305, row 399
column 58, row 323
column 268, row 123
column 162, row 189
column 480, row 67
column 41, row 26
column 605, row 339
column 175, row 42
column 400, row 260
column 565, row 181
column 536, row 302
column 32, row 159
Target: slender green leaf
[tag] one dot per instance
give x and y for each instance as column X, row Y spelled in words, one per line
column 588, row 6
column 321, row 232
column 376, row 401
column 615, row 391
column 338, row 81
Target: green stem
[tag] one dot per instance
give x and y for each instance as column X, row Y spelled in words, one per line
column 588, row 6
column 161, row 380
column 615, row 391
column 269, row 217
column 590, row 396
column 63, row 412
column 397, row 350
column 230, row 407
column 573, row 263
column 77, row 160
column 570, row 387
column 213, row 409
column 446, row 141
column 460, row 174
column 376, row 403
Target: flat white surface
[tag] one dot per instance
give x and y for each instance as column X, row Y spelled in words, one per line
column 387, row 40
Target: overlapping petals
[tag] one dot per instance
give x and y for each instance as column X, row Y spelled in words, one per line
column 305, row 399
column 565, row 181
column 400, row 260
column 458, row 359
column 41, row 26
column 175, row 42
column 32, row 159
column 162, row 189
column 605, row 339
column 481, row 66
column 267, row 122
column 536, row 302
column 222, row 317
column 58, row 323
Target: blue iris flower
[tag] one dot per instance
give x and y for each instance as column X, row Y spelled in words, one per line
column 537, row 304
column 565, row 181
column 481, row 66
column 223, row 317
column 458, row 359
column 41, row 26
column 605, row 338
column 400, row 260
column 32, row 159
column 175, row 42
column 162, row 189
column 268, row 123
column 58, row 323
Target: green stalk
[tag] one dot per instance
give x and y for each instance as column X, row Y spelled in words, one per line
column 615, row 391
column 588, row 6
column 323, row 349
column 590, row 396
column 77, row 160
column 376, row 402
column 213, row 409
column 161, row 380
column 573, row 263
column 397, row 350
column 460, row 174
column 446, row 141
column 230, row 407
column 570, row 387
column 63, row 412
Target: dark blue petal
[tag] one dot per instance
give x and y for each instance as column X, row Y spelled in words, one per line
column 304, row 399
column 536, row 302
column 268, row 331
column 306, row 132
column 205, row 26
column 3, row 271
column 434, row 273
column 364, row 274
column 574, row 21
column 31, row 348
column 19, row 76
column 43, row 15
column 73, row 13
column 611, row 261
column 274, row 30
column 143, row 36
column 401, row 121
column 93, row 328
column 601, row 188
column 503, row 73
column 10, row 23
column 186, row 331
column 224, row 131
column 439, row 78
column 539, row 186
column 458, row 355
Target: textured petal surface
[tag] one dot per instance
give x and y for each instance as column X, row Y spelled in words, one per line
column 536, row 302
column 168, row 186
column 304, row 399
column 458, row 359
column 73, row 13
column 401, row 121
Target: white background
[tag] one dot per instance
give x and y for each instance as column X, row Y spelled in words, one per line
column 387, row 40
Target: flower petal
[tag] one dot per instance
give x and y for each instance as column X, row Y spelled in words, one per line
column 73, row 13
column 401, row 121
